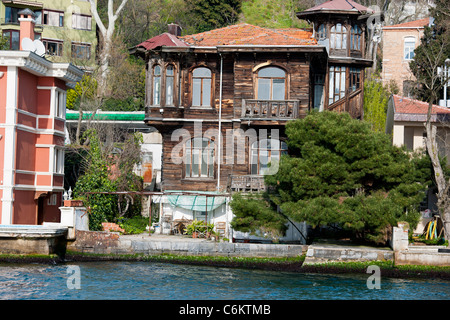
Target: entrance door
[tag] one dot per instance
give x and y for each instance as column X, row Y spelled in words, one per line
column 40, row 217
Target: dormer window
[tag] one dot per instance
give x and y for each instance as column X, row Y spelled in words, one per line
column 338, row 37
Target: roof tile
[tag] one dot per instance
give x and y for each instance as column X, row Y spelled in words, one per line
column 247, row 34
column 412, row 106
column 412, row 24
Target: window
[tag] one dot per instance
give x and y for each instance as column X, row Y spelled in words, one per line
column 199, row 161
column 271, row 84
column 410, row 44
column 53, row 47
column 263, row 152
column 336, row 84
column 53, row 18
column 81, row 21
column 355, row 79
column 322, row 32
column 201, row 87
column 355, row 39
column 38, row 16
column 60, row 103
column 319, row 82
column 338, row 37
column 51, row 200
column 156, row 85
column 169, row 85
column 59, row 160
column 81, row 50
column 11, row 15
column 14, row 39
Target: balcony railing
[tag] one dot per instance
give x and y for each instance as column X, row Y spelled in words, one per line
column 247, row 183
column 270, row 109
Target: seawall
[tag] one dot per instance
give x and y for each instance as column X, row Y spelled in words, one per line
column 112, row 243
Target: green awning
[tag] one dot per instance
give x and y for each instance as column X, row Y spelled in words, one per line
column 204, row 201
column 108, row 116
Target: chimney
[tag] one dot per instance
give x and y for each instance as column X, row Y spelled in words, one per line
column 27, row 23
column 174, row 29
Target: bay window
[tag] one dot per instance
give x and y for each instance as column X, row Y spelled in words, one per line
column 336, row 84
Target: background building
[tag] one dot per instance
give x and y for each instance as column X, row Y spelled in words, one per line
column 66, row 28
column 399, row 42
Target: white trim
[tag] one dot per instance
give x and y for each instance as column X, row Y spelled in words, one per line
column 10, row 141
column 38, row 188
column 37, row 131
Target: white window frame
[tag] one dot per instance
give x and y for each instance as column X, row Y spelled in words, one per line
column 81, row 21
column 60, row 103
column 58, row 160
column 408, row 50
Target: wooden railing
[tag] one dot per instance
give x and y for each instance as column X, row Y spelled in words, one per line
column 270, row 109
column 247, row 183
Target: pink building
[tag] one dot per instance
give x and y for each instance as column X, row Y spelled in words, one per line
column 32, row 122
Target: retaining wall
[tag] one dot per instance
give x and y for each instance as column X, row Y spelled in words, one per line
column 110, row 243
column 322, row 254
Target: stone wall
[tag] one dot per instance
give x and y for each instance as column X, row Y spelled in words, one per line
column 110, row 243
column 329, row 253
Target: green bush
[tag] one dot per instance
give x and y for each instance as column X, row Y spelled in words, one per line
column 134, row 225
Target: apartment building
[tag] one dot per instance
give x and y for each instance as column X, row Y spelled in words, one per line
column 65, row 27
column 399, row 43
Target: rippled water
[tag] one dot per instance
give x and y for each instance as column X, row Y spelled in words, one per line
column 163, row 281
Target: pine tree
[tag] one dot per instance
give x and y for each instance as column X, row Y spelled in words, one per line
column 339, row 172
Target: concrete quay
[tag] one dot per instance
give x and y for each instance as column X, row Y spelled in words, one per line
column 113, row 243
column 323, row 253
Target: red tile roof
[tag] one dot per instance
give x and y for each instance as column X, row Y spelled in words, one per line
column 407, row 109
column 340, row 5
column 247, row 34
column 412, row 24
column 165, row 39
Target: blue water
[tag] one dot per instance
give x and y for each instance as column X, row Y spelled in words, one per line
column 164, row 281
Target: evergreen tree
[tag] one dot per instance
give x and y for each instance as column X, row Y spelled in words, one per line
column 213, row 14
column 339, row 172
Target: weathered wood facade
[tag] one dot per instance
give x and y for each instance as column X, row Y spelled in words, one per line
column 248, row 81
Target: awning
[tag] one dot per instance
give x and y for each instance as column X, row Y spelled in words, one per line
column 203, row 201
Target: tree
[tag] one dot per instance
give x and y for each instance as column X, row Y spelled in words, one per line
column 106, row 37
column 376, row 98
column 429, row 56
column 108, row 168
column 213, row 14
column 275, row 14
column 341, row 173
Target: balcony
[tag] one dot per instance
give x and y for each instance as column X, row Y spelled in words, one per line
column 247, row 183
column 253, row 109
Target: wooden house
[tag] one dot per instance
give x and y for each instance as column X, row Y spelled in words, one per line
column 221, row 99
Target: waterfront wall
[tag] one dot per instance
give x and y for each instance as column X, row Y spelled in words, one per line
column 111, row 243
column 323, row 253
